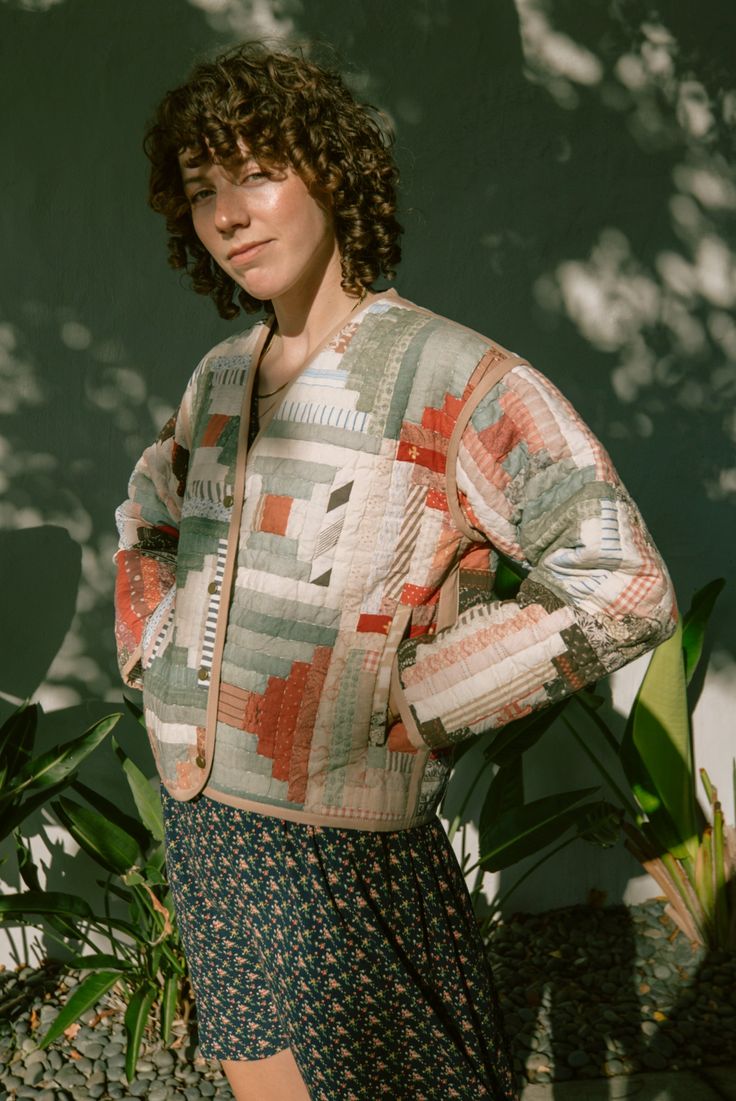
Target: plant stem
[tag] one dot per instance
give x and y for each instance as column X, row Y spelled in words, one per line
column 720, row 877
column 630, row 807
column 687, row 892
column 106, row 904
column 452, row 830
column 602, row 726
column 499, row 900
column 479, row 874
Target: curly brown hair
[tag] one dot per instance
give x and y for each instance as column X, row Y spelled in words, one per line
column 289, row 111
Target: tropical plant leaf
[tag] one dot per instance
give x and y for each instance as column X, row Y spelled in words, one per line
column 136, row 1016
column 146, row 797
column 600, row 823
column 138, row 913
column 169, row 1001
column 108, row 809
column 155, row 865
column 131, row 929
column 26, row 868
column 506, row 789
column 524, row 830
column 29, row 874
column 87, row 994
column 99, row 960
column 106, row 843
column 17, row 736
column 695, row 621
column 32, row 904
column 517, row 737
column 59, row 763
column 178, row 964
column 135, row 711
column 656, row 751
column 18, row 732
column 117, row 890
column 17, row 813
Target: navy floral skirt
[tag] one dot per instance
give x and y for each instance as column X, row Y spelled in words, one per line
column 357, row 949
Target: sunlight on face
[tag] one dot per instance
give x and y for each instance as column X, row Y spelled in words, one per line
column 261, row 225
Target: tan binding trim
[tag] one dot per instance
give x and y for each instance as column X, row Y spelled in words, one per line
column 313, row 818
column 492, row 367
column 448, row 603
column 395, row 636
column 213, row 692
column 213, row 696
column 400, row 706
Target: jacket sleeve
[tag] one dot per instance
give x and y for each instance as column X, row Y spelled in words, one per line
column 540, row 488
column 148, row 527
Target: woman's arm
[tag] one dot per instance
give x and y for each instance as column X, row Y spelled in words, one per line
column 534, row 480
column 148, row 526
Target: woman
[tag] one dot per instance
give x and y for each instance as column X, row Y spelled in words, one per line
column 304, row 594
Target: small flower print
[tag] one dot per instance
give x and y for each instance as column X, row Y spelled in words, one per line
column 276, row 922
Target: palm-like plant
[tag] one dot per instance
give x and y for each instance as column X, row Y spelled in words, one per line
column 691, row 855
column 145, row 959
column 28, row 783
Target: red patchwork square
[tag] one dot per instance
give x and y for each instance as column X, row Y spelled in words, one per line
column 275, row 513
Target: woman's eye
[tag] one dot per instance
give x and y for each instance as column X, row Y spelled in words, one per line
column 198, row 196
column 251, row 170
column 257, row 175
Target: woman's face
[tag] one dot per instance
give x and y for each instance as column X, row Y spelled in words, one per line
column 263, row 227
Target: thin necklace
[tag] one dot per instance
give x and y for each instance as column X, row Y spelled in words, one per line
column 263, row 354
column 271, row 394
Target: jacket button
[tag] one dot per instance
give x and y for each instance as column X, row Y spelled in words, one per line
column 203, row 673
column 227, row 500
column 200, row 760
column 213, row 587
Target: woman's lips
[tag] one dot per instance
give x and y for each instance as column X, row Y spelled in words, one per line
column 243, row 255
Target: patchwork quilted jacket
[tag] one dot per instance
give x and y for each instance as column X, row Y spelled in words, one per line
column 273, row 600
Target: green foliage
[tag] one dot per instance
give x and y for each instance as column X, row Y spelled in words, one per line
column 691, row 855
column 145, row 960
column 521, row 830
column 656, row 751
column 101, row 839
column 136, row 1017
column 695, row 623
column 23, row 908
column 85, row 996
column 27, row 782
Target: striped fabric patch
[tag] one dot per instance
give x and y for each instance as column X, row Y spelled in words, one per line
column 329, row 534
column 208, row 642
column 309, row 412
column 159, row 624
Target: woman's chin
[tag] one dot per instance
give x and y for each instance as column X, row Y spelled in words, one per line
column 261, row 289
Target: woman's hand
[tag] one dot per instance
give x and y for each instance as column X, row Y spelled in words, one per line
column 398, row 739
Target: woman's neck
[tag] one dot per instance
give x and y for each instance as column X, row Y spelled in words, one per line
column 304, row 316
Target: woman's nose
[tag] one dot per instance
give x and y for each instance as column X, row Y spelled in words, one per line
column 231, row 207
